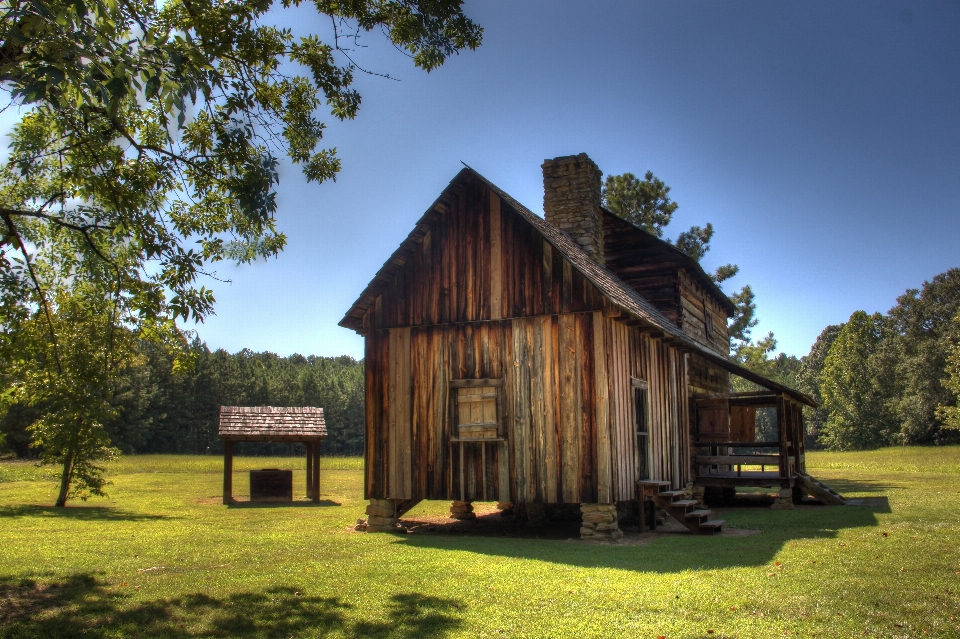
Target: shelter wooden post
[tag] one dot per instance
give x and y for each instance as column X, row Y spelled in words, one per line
column 309, row 482
column 315, row 494
column 227, row 472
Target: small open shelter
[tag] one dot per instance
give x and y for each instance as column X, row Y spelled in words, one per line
column 303, row 424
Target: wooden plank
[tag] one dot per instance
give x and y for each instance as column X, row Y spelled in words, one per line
column 734, row 460
column 401, row 459
column 522, row 445
column 438, row 412
column 467, row 383
column 405, row 409
column 390, row 435
column 496, row 259
column 371, row 375
column 569, row 409
column 383, row 432
column 685, row 426
column 588, row 446
column 505, row 458
column 674, row 417
column 615, row 358
column 538, row 408
column 654, row 397
column 477, row 397
column 393, row 437
column 627, row 437
column 549, row 371
column 743, row 423
column 613, row 374
column 602, row 394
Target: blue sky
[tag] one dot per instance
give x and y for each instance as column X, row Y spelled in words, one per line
column 822, row 140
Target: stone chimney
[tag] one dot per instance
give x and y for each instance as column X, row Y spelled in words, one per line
column 571, row 200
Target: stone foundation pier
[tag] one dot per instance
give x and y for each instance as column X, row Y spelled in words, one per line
column 599, row 522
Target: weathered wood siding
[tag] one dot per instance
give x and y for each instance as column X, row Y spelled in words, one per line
column 479, row 262
column 565, row 410
column 707, row 378
column 695, row 304
column 545, row 411
column 630, row 353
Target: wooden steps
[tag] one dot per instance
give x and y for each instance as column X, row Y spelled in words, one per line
column 683, row 510
column 821, row 491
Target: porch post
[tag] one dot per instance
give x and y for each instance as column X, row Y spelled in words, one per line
column 783, row 435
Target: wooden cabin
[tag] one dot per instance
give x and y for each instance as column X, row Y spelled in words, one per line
column 575, row 359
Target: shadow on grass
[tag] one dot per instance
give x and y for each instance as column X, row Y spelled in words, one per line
column 673, row 552
column 845, row 486
column 282, row 504
column 81, row 513
column 83, row 606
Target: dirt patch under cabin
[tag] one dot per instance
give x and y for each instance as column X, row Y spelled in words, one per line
column 490, row 522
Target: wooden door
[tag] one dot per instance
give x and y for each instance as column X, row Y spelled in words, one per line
column 713, row 420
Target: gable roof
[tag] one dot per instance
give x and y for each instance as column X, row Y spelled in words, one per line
column 272, row 423
column 620, row 294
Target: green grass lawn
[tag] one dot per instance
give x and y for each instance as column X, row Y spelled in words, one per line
column 161, row 557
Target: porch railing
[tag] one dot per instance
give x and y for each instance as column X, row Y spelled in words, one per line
column 729, row 457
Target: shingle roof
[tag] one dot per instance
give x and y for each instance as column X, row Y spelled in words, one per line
column 289, row 423
column 613, row 288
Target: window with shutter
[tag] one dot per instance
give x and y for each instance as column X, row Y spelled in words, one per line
column 476, row 411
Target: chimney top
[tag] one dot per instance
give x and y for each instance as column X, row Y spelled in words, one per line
column 571, row 200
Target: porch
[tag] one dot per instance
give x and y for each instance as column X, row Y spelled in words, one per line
column 729, row 450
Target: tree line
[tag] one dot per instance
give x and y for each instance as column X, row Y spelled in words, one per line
column 157, row 409
column 882, row 379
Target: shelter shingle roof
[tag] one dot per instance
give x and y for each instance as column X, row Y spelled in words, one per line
column 273, row 422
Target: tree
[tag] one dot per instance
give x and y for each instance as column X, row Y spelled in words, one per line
column 696, row 241
column 917, row 351
column 158, row 121
column 153, row 126
column 743, row 320
column 809, row 378
column 644, row 202
column 65, row 355
column 71, row 383
column 949, row 413
column 858, row 412
column 756, row 356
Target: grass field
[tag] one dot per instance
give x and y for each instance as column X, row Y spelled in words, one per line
column 161, row 557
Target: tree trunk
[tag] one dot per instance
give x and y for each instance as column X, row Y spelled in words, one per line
column 65, row 480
